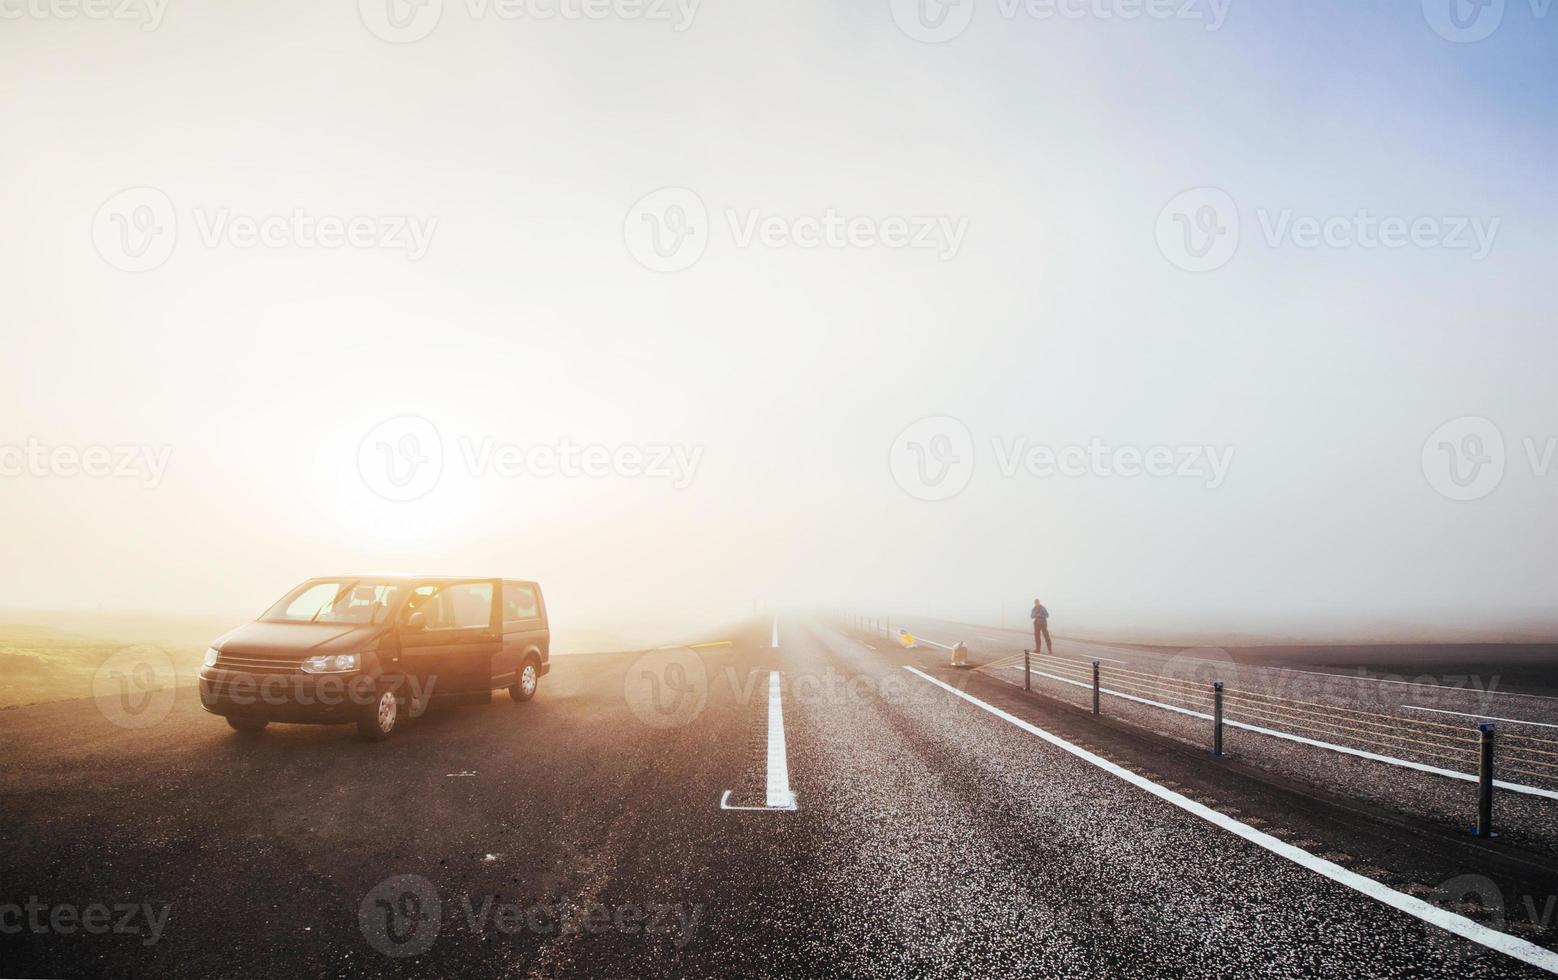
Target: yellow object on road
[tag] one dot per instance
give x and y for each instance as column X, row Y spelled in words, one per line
column 907, row 640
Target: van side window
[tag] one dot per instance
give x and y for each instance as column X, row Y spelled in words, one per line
column 519, row 603
column 454, row 607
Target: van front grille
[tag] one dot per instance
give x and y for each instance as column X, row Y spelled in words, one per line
column 258, row 665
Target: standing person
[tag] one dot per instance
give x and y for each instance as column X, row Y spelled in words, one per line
column 1040, row 617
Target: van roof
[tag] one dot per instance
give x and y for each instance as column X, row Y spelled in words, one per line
column 407, row 577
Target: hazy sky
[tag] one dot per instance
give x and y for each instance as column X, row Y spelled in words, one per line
column 303, row 260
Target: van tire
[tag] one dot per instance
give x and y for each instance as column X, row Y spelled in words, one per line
column 526, row 681
column 379, row 719
column 247, row 726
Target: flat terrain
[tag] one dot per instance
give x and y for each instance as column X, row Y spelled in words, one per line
column 583, row 834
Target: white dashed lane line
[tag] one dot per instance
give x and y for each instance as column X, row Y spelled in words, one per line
column 1459, row 925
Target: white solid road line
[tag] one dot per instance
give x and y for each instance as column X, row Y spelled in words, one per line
column 1461, row 926
column 1316, row 743
column 778, row 795
column 1463, row 714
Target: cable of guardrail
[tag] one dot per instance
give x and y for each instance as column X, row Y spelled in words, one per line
column 1516, row 747
column 1137, row 688
column 1142, row 688
column 1547, row 769
column 1371, row 729
column 1391, row 743
column 1332, row 719
column 1417, row 722
column 1552, row 768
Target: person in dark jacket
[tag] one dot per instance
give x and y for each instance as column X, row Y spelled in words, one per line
column 1040, row 617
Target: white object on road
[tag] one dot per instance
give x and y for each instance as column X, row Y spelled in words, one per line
column 960, row 655
column 1461, row 926
column 778, row 795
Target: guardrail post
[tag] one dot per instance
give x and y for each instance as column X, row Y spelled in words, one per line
column 1027, row 678
column 1485, row 780
column 1095, row 687
column 1217, row 717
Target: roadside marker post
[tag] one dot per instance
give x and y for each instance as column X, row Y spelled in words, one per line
column 1027, row 676
column 1095, row 687
column 1485, row 734
column 1217, row 718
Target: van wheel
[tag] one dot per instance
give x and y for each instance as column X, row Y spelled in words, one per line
column 524, row 686
column 378, row 723
column 247, row 726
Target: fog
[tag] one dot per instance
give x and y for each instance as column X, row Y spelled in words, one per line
column 1234, row 322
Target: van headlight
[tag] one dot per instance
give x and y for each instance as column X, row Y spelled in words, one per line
column 337, row 664
column 211, row 655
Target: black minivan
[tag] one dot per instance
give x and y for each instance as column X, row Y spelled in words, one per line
column 364, row 649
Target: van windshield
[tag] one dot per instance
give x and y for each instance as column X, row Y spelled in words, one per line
column 336, row 601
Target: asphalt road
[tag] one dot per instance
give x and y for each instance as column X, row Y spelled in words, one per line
column 583, row 834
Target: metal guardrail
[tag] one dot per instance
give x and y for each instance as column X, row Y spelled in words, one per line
column 1374, row 734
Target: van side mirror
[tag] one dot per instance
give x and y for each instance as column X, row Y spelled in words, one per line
column 416, row 623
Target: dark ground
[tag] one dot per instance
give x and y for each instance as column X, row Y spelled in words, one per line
column 931, row 838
